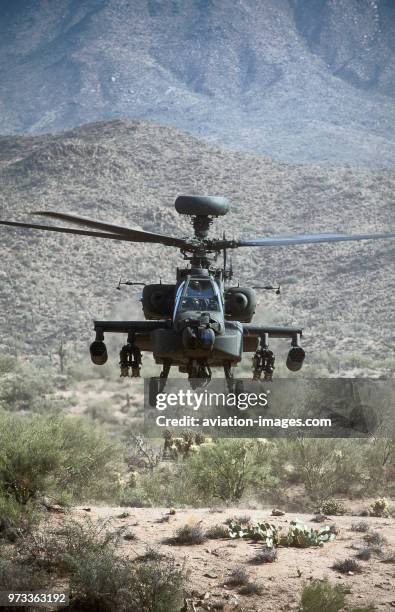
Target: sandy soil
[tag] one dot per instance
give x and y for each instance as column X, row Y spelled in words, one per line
column 209, row 564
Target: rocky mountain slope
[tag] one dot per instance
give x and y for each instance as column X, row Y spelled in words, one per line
column 131, row 172
column 301, row 80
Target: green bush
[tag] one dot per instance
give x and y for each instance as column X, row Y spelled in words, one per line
column 228, row 470
column 156, row 585
column 321, row 595
column 100, row 579
column 24, row 385
column 231, row 470
column 217, row 532
column 188, row 535
column 380, row 508
column 333, row 507
column 328, row 466
column 15, row 518
column 20, row 578
column 64, row 457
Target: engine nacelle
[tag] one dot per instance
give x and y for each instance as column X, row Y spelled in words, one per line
column 240, row 304
column 158, row 301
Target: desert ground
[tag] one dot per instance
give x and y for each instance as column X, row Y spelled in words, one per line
column 209, row 564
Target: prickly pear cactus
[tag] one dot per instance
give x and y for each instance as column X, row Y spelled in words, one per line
column 298, row 535
column 265, row 532
column 301, row 536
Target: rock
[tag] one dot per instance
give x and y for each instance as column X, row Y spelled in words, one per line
column 276, row 512
column 319, row 518
column 172, row 511
column 210, row 575
column 86, row 509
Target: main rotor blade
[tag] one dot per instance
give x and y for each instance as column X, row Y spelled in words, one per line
column 67, row 230
column 309, row 239
column 133, row 234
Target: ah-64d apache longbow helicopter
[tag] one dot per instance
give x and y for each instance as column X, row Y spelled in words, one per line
column 198, row 322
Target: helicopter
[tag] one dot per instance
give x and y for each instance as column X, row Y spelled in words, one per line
column 200, row 321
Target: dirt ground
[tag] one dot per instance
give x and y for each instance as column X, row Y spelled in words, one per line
column 208, row 564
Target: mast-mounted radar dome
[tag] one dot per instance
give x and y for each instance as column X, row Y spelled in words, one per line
column 201, row 206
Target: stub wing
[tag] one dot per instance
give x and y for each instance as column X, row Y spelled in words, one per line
column 259, row 331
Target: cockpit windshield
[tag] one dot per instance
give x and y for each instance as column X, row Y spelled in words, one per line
column 200, row 295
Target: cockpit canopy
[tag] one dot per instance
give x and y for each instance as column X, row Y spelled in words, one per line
column 198, row 294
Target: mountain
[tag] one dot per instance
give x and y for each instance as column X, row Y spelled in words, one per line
column 131, row 172
column 300, row 80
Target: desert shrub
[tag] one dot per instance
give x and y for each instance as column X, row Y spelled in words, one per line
column 20, row 578
column 346, row 566
column 238, row 577
column 378, row 465
column 229, row 469
column 100, row 579
column 151, row 554
column 265, row 555
column 28, row 458
column 156, row 585
column 321, row 595
column 63, row 548
column 364, row 554
column 217, row 532
column 83, row 369
column 59, row 456
column 327, row 466
column 166, row 485
column 15, row 518
column 131, row 500
column 101, row 411
column 336, row 466
column 8, row 364
column 370, row 608
column 374, row 538
column 240, row 519
column 361, row 527
column 188, row 535
column 226, row 470
column 332, row 507
column 251, row 588
column 24, row 385
column 380, row 508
